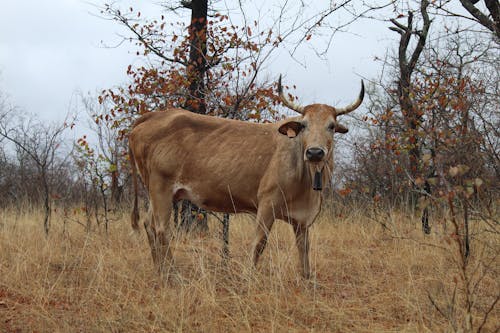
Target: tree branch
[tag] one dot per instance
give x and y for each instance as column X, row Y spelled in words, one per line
column 422, row 35
column 492, row 5
column 125, row 21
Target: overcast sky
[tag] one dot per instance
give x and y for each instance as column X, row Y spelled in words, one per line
column 50, row 49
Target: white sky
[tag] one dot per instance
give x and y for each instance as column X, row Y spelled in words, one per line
column 50, row 49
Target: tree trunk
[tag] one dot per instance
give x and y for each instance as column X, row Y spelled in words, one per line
column 225, row 236
column 115, row 188
column 412, row 115
column 46, row 193
column 197, row 64
column 426, row 228
column 193, row 217
column 466, row 228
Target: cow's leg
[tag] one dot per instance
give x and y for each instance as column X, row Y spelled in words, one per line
column 302, row 240
column 265, row 220
column 150, row 232
column 161, row 205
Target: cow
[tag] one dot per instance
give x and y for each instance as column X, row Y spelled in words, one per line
column 273, row 170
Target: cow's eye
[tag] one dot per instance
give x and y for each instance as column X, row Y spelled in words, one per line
column 331, row 127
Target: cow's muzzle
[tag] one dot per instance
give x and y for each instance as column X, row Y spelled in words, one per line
column 315, row 154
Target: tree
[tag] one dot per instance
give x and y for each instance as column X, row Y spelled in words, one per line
column 198, row 66
column 101, row 159
column 430, row 112
column 40, row 142
column 407, row 63
column 459, row 101
column 105, row 141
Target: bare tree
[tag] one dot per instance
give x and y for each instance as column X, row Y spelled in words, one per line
column 101, row 159
column 41, row 142
column 434, row 104
column 487, row 15
column 107, row 143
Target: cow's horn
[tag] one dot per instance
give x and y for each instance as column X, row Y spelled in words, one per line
column 286, row 102
column 353, row 106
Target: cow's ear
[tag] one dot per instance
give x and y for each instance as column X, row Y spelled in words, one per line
column 291, row 129
column 340, row 129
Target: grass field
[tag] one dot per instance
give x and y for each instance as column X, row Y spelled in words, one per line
column 366, row 279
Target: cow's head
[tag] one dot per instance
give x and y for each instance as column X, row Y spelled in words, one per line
column 316, row 127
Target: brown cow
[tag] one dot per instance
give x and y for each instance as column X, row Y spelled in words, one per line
column 272, row 170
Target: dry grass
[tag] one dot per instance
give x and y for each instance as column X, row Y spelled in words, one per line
column 366, row 280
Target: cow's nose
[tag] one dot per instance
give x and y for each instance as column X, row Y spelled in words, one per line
column 315, row 154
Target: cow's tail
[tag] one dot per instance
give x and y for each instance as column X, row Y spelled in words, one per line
column 134, row 217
